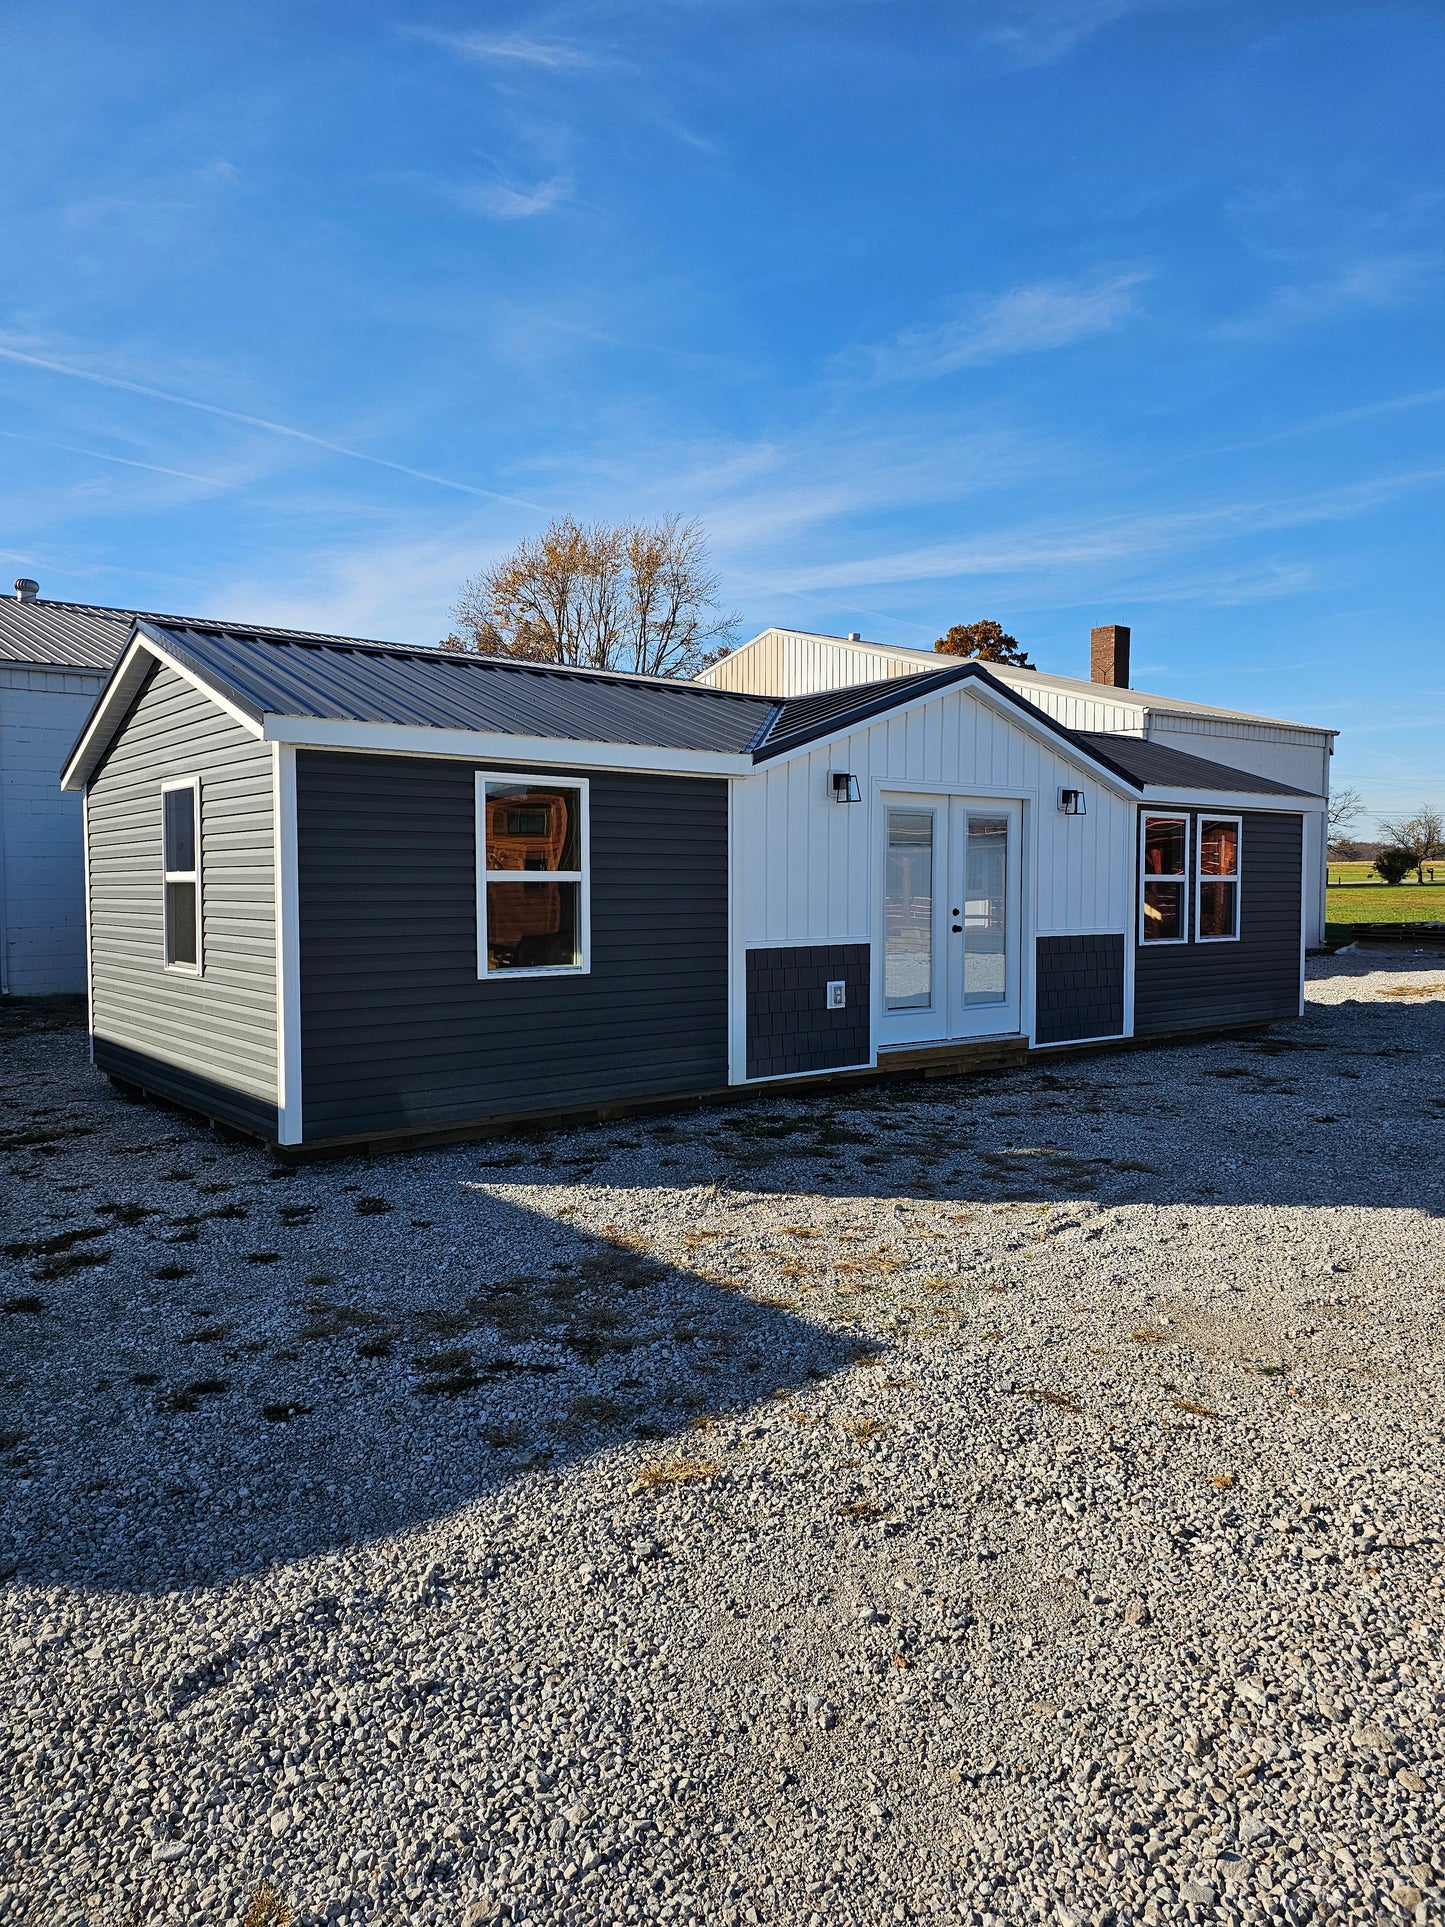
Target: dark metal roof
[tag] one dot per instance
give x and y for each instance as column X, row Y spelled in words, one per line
column 344, row 681
column 270, row 672
column 803, row 719
column 1142, row 761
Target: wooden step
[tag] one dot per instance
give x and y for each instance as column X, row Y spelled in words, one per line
column 955, row 1057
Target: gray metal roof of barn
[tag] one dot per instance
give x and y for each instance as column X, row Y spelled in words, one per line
column 84, row 635
column 62, row 635
column 344, row 681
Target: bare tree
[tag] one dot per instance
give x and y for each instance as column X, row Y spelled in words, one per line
column 631, row 595
column 1345, row 807
column 984, row 641
column 1421, row 837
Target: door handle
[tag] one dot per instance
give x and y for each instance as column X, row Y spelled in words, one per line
column 958, row 930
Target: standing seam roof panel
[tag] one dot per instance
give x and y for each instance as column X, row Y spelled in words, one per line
column 437, row 689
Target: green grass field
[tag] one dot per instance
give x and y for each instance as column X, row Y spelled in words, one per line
column 1405, row 903
column 1365, row 873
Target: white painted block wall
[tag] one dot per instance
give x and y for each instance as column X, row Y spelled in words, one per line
column 42, row 883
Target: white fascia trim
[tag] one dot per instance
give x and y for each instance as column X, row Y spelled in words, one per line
column 125, row 679
column 288, row 945
column 513, row 752
column 1228, row 800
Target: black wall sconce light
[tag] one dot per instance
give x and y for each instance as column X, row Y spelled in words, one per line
column 845, row 787
column 1072, row 803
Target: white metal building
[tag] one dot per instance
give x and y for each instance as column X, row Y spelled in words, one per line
column 54, row 659
column 794, row 662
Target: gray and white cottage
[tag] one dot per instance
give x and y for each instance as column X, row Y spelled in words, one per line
column 343, row 893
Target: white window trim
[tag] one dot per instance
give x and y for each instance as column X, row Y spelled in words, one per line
column 1146, row 817
column 1220, row 816
column 535, row 779
column 193, row 877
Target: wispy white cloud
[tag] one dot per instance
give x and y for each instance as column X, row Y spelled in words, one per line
column 1035, row 32
column 511, row 49
column 503, row 202
column 1026, row 320
column 1380, row 282
column 1081, row 545
column 73, row 372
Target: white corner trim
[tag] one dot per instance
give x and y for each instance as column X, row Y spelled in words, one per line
column 89, row 952
column 513, row 752
column 288, row 945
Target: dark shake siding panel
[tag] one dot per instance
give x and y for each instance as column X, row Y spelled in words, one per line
column 790, row 1029
column 1202, row 986
column 1080, row 988
column 397, row 1030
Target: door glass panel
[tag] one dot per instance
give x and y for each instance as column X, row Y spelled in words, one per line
column 985, row 911
column 908, row 911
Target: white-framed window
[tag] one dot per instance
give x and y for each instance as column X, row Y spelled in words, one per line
column 1163, row 878
column 1216, row 902
column 533, row 908
column 181, row 874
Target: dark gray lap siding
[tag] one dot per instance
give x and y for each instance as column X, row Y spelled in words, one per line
column 399, row 1033
column 1202, row 986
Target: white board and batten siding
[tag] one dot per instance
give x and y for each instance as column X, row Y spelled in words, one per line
column 42, row 893
column 788, row 662
column 220, row 1026
column 807, row 870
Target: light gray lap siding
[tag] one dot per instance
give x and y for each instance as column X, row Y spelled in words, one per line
column 219, row 1028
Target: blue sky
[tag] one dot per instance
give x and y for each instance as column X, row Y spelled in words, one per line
column 1057, row 311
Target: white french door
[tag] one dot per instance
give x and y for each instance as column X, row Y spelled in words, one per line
column 951, row 874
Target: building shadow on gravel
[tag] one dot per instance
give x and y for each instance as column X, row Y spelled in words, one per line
column 177, row 1417
column 159, row 1453
column 1295, row 1115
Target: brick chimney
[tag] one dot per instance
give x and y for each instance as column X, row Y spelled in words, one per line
column 1109, row 654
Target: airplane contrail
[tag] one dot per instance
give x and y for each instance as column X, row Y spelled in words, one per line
column 257, row 421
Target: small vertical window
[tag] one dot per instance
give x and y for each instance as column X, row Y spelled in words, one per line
column 1164, row 880
column 1217, row 916
column 532, row 842
column 181, row 857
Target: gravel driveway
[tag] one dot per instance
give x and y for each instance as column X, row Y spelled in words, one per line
column 990, row 1500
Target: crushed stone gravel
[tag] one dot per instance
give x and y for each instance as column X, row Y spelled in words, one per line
column 1001, row 1500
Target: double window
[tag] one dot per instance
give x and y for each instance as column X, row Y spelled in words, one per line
column 181, row 865
column 532, row 876
column 1170, row 911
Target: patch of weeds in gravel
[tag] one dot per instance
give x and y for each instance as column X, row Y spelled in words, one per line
column 187, row 1398
column 372, row 1207
column 25, row 1305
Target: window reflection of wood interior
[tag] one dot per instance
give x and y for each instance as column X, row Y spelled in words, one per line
column 528, row 831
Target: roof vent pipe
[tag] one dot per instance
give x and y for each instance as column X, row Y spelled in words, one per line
column 1109, row 654
column 26, row 589
column 855, row 635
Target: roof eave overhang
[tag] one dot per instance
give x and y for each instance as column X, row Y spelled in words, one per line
column 146, row 648
column 425, row 739
column 1292, row 803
